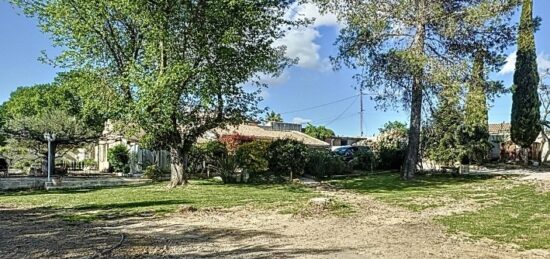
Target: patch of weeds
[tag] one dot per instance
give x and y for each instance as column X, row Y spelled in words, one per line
column 330, row 207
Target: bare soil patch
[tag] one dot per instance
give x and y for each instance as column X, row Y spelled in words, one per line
column 375, row 230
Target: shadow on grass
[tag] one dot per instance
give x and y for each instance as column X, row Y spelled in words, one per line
column 391, row 181
column 130, row 205
column 68, row 190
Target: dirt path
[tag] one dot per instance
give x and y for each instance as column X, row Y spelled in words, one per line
column 375, row 231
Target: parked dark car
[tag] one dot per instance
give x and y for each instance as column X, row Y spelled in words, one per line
column 347, row 152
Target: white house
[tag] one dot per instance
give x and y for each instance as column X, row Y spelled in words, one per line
column 141, row 158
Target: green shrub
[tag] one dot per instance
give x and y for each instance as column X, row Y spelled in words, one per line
column 363, row 159
column 118, row 158
column 227, row 167
column 324, row 164
column 90, row 163
column 202, row 156
column 287, row 156
column 390, row 149
column 252, row 156
column 153, row 172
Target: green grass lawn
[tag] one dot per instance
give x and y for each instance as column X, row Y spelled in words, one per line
column 510, row 211
column 91, row 204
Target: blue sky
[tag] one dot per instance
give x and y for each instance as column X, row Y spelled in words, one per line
column 310, row 83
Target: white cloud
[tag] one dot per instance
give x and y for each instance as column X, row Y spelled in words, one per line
column 300, row 42
column 543, row 62
column 271, row 80
column 510, row 65
column 299, row 120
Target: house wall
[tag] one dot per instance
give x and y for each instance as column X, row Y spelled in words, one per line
column 541, row 148
column 140, row 158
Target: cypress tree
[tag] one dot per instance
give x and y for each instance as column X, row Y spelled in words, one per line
column 445, row 147
column 526, row 104
column 476, row 118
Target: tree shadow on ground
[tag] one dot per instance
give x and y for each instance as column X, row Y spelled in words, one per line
column 26, row 192
column 389, row 182
column 37, row 233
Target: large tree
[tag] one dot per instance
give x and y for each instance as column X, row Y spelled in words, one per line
column 476, row 117
column 180, row 65
column 403, row 47
column 50, row 108
column 526, row 104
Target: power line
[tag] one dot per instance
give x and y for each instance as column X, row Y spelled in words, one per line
column 319, row 106
column 342, row 114
column 349, row 115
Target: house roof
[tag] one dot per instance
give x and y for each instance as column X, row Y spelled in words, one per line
column 264, row 133
column 496, row 128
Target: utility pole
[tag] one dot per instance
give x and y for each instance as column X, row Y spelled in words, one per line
column 361, row 110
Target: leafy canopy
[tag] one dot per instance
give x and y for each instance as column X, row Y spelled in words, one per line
column 318, row 132
column 180, row 66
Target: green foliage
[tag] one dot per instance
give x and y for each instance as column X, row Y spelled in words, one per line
column 90, row 163
column 252, row 156
column 56, row 108
column 118, row 158
column 324, row 164
column 2, row 123
column 287, row 156
column 394, row 126
column 475, row 132
column 179, row 66
column 390, row 149
column 364, row 159
column 227, row 168
column 525, row 100
column 275, row 117
column 202, row 156
column 154, row 173
column 318, row 132
column 402, row 53
column 444, row 145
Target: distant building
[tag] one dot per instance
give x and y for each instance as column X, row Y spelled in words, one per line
column 143, row 157
column 503, row 148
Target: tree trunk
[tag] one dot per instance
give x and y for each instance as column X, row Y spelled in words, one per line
column 414, row 132
column 416, row 96
column 178, row 167
column 525, row 151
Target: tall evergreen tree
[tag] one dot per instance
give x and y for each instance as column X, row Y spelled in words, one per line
column 444, row 145
column 526, row 104
column 476, row 118
column 404, row 45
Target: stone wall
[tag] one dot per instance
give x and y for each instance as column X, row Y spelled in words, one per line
column 67, row 183
column 22, row 183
